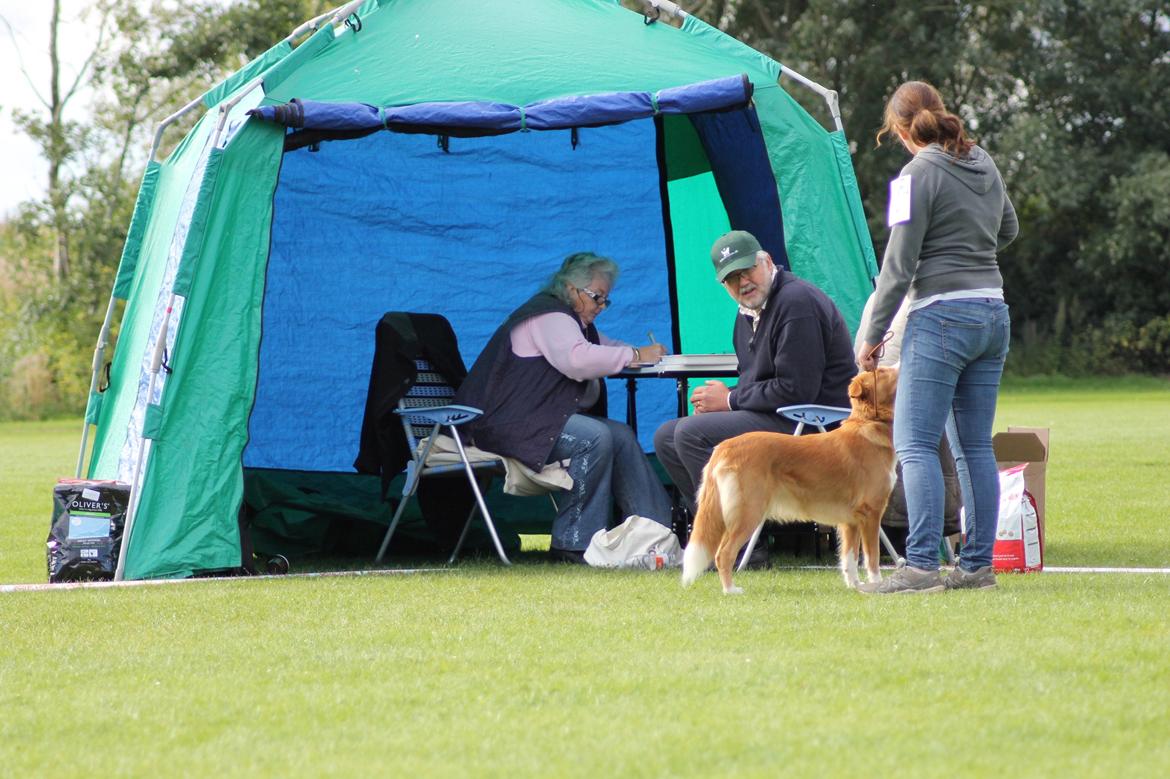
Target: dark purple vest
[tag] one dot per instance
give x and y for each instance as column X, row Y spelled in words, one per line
column 525, row 400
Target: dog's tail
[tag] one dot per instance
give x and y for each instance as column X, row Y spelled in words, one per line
column 707, row 531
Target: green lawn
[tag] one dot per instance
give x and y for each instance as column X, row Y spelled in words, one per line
column 554, row 671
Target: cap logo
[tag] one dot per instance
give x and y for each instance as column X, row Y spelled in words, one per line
column 725, row 254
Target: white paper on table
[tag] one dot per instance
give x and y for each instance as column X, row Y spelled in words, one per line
column 685, row 361
column 899, row 211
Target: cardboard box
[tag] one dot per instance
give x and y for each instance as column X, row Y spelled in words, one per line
column 1026, row 447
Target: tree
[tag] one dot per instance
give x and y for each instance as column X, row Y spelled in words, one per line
column 59, row 255
column 1069, row 97
column 58, row 138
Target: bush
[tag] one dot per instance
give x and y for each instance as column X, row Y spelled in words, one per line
column 1118, row 346
column 28, row 389
column 1144, row 348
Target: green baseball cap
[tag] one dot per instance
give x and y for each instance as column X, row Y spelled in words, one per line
column 734, row 251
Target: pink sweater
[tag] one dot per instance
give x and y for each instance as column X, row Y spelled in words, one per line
column 559, row 339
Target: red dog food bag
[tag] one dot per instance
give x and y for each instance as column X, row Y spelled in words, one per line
column 1019, row 540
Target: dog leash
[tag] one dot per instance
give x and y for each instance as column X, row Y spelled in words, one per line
column 876, row 353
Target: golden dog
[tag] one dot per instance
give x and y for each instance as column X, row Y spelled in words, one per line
column 843, row 477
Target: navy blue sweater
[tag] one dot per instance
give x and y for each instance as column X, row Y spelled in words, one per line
column 801, row 351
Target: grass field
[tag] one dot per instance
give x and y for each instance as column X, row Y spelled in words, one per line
column 554, row 671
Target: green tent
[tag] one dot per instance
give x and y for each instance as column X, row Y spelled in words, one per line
column 434, row 155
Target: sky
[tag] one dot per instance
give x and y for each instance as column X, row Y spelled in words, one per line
column 25, row 171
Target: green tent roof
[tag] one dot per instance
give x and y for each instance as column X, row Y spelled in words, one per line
column 517, row 52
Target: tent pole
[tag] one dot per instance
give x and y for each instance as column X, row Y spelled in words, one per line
column 829, row 95
column 226, row 108
column 158, row 133
column 665, row 5
column 165, row 123
column 99, row 355
column 341, row 13
column 156, row 361
column 344, row 12
column 313, row 24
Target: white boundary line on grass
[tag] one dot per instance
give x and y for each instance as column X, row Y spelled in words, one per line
column 154, row 582
column 4, row 588
column 1076, row 569
column 1046, row 569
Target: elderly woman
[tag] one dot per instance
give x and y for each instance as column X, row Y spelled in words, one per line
column 538, row 382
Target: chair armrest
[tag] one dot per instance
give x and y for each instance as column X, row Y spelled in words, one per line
column 441, row 415
column 813, row 414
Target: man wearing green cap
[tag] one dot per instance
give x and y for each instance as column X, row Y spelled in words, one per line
column 792, row 345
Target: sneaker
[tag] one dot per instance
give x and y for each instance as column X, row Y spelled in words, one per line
column 979, row 579
column 905, row 579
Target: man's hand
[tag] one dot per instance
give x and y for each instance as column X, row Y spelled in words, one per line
column 866, row 360
column 712, row 396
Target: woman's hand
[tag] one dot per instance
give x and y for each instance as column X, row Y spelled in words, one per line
column 649, row 354
column 652, row 352
column 866, row 360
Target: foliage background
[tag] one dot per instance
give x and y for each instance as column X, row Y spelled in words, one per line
column 1068, row 96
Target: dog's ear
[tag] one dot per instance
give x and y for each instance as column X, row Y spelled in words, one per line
column 857, row 387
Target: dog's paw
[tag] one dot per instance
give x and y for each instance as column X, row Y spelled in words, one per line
column 733, row 590
column 852, row 582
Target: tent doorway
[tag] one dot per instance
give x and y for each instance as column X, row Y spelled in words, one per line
column 470, row 227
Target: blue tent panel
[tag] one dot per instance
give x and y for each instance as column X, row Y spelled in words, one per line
column 393, row 222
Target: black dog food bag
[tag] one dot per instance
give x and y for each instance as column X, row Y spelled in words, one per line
column 86, row 533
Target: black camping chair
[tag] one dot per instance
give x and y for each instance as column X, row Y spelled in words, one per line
column 426, row 413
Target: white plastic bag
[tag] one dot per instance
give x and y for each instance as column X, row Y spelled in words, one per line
column 636, row 543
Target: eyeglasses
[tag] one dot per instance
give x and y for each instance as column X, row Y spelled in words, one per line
column 602, row 302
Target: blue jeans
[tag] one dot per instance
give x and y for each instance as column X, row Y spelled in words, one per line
column 607, row 465
column 952, row 360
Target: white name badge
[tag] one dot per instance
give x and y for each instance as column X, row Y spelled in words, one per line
column 899, row 200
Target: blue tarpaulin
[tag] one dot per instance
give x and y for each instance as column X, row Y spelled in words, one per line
column 398, row 209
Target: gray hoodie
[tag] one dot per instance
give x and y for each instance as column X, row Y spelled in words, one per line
column 960, row 216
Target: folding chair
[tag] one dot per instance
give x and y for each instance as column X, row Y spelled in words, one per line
column 425, row 413
column 818, row 416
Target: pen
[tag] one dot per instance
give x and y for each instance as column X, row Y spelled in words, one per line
column 650, row 335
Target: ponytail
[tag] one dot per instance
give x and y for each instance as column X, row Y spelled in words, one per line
column 916, row 110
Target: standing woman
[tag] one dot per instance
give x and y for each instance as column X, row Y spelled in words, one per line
column 949, row 216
